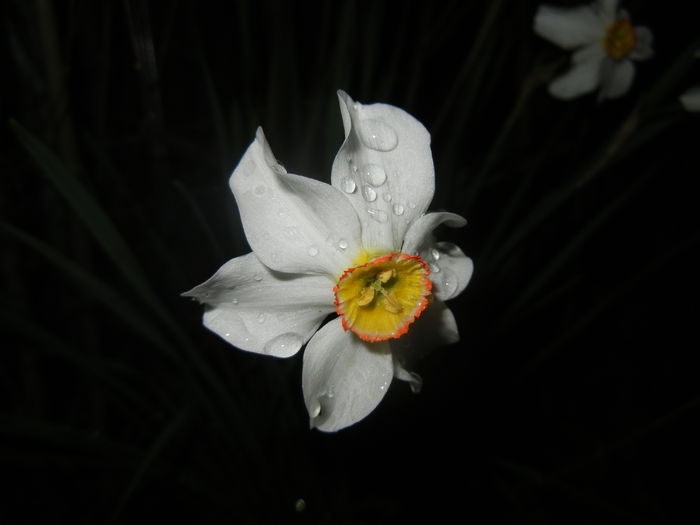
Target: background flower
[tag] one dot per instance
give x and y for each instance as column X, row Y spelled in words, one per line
column 605, row 44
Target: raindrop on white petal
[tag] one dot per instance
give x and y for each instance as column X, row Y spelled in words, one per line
column 292, row 232
column 348, row 185
column 411, row 204
column 398, row 209
column 368, row 193
column 259, row 190
column 234, row 301
column 258, row 277
column 377, row 215
column 314, row 408
column 284, row 343
column 261, row 318
column 434, row 268
column 435, row 254
column 448, row 284
column 374, row 174
column 227, row 334
column 312, row 251
column 342, row 244
column 279, row 169
column 387, row 197
column 378, row 135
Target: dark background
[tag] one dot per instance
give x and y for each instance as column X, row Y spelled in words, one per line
column 573, row 394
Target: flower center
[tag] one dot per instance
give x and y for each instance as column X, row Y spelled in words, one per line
column 620, row 39
column 378, row 300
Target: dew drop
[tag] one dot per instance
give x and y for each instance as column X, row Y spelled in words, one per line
column 314, row 408
column 292, row 232
column 342, row 244
column 377, row 215
column 435, row 254
column 434, row 268
column 312, row 251
column 258, row 277
column 374, row 174
column 411, row 205
column 261, row 318
column 235, row 301
column 259, row 189
column 398, row 209
column 284, row 344
column 348, row 185
column 279, row 169
column 387, row 197
column 227, row 334
column 448, row 284
column 378, row 135
column 368, row 193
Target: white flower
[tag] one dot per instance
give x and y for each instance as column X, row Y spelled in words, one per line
column 604, row 42
column 362, row 248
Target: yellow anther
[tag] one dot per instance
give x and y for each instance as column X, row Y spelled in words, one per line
column 391, row 304
column 366, row 296
column 386, row 275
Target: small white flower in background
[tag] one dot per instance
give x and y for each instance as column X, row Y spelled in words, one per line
column 361, row 247
column 691, row 98
column 605, row 44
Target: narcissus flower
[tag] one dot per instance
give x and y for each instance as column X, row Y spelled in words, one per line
column 361, row 248
column 605, row 44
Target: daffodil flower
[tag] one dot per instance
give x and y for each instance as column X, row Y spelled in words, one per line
column 360, row 249
column 605, row 45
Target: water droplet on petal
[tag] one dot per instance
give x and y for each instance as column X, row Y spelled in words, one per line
column 398, row 209
column 434, row 268
column 342, row 244
column 378, row 135
column 374, row 174
column 348, row 185
column 411, row 204
column 312, row 251
column 368, row 193
column 261, row 318
column 314, row 408
column 258, row 277
column 435, row 254
column 235, row 301
column 292, row 232
column 259, row 190
column 285, row 344
column 387, row 197
column 279, row 169
column 448, row 284
column 377, row 215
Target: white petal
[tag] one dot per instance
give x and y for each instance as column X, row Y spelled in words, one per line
column 616, row 79
column 691, row 99
column 435, row 327
column 583, row 76
column 293, row 223
column 259, row 310
column 385, row 169
column 569, row 28
column 607, row 11
column 419, row 234
column 450, row 269
column 645, row 39
column 344, row 378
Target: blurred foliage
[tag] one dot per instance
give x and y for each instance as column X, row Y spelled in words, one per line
column 572, row 395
